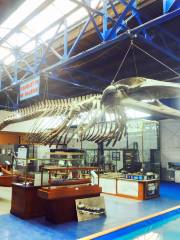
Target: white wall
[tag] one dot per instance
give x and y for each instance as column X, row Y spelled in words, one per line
column 169, row 141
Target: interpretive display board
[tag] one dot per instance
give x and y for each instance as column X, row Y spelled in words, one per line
column 90, row 208
column 29, row 88
column 108, row 185
column 127, row 188
column 22, row 152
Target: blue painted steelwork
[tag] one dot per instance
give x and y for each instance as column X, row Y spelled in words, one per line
column 126, row 35
column 65, row 56
column 136, row 14
column 14, row 105
column 112, row 33
column 93, row 21
column 166, row 51
column 108, row 37
column 85, row 73
column 170, row 4
column 72, row 82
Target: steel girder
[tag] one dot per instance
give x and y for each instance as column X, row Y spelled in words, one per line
column 113, row 29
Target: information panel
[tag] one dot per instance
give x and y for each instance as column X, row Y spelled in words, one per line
column 129, row 188
column 29, row 88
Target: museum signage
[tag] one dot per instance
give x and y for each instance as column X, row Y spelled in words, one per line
column 29, row 88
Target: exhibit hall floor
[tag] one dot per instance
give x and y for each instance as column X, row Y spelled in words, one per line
column 119, row 211
column 5, row 200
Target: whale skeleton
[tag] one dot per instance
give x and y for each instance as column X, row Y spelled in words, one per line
column 95, row 117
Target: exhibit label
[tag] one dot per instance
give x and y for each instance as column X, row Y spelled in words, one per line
column 29, row 88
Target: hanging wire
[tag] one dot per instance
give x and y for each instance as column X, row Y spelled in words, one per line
column 122, row 62
column 159, row 61
column 134, row 61
column 45, row 96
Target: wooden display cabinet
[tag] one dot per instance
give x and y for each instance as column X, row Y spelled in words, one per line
column 57, row 203
column 25, row 202
column 7, row 178
column 129, row 188
column 60, row 200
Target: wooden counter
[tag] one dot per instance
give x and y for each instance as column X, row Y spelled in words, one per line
column 25, row 202
column 60, row 201
column 130, row 188
column 7, row 180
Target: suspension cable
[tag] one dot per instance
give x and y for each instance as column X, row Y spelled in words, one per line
column 122, row 62
column 134, row 61
column 159, row 61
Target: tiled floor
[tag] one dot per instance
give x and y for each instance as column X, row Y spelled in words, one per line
column 5, row 200
column 119, row 211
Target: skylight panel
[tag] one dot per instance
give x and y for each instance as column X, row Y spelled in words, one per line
column 94, row 3
column 3, row 31
column 43, row 19
column 50, row 33
column 76, row 16
column 4, row 52
column 20, row 14
column 54, row 11
column 9, row 60
column 29, row 46
column 64, row 6
column 27, row 31
column 17, row 39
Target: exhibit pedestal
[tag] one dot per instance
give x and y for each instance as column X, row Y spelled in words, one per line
column 64, row 209
column 25, row 202
column 6, row 180
column 60, row 201
column 130, row 188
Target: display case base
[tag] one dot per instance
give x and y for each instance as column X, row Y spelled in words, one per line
column 25, row 202
column 60, row 204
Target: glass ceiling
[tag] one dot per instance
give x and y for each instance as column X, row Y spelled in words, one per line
column 23, row 38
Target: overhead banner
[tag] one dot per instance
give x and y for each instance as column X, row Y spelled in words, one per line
column 29, row 88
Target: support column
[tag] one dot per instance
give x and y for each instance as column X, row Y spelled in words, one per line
column 100, row 155
column 16, row 62
column 105, row 19
column 1, row 70
column 65, row 40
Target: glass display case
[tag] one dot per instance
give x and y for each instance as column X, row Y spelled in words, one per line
column 64, row 172
column 28, row 170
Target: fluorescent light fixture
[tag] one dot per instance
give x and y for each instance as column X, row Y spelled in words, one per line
column 130, row 114
column 133, row 114
column 148, row 100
